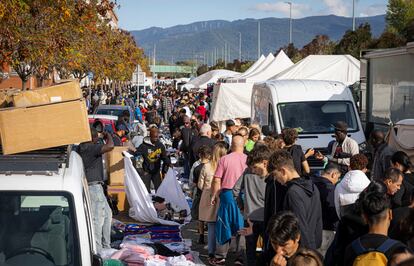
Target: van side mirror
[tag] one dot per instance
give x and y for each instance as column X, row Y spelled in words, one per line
column 266, row 130
column 97, row 260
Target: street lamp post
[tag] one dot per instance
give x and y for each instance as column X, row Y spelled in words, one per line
column 290, row 21
column 240, row 46
column 353, row 15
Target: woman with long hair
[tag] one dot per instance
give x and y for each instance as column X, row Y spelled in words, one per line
column 208, row 212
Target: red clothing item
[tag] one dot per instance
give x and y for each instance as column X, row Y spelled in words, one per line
column 202, row 111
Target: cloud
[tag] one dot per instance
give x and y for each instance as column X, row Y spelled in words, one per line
column 298, row 10
column 373, row 10
column 337, row 7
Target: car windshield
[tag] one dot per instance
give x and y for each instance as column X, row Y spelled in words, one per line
column 38, row 229
column 317, row 117
column 114, row 112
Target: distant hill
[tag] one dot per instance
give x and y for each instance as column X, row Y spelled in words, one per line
column 200, row 39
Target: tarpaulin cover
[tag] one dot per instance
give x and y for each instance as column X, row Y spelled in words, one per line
column 250, row 70
column 172, row 192
column 142, row 209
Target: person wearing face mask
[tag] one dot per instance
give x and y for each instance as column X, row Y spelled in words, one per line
column 343, row 148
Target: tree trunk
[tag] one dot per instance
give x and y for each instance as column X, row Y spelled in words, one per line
column 23, row 84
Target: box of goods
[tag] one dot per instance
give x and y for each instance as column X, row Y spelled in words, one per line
column 116, row 166
column 31, row 128
column 118, row 193
column 61, row 92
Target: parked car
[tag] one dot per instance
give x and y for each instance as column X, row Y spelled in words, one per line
column 45, row 210
column 103, row 121
column 115, row 110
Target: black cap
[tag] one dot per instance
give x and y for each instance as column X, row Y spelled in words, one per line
column 230, row 123
column 341, row 126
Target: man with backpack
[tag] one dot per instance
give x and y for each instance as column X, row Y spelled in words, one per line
column 375, row 247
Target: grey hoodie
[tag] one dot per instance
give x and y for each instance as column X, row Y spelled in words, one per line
column 253, row 187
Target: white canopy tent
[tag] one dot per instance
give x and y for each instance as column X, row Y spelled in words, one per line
column 342, row 68
column 268, row 60
column 280, row 63
column 248, row 71
column 233, row 100
column 212, row 76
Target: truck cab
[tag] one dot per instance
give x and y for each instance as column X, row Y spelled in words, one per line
column 312, row 107
column 44, row 210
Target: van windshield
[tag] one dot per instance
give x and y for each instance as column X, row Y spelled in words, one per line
column 317, row 117
column 38, row 228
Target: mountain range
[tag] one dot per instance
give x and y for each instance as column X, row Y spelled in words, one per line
column 207, row 40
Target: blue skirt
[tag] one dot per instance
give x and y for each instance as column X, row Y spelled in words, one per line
column 229, row 218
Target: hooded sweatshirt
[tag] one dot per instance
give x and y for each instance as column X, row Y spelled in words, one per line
column 153, row 154
column 348, row 190
column 302, row 198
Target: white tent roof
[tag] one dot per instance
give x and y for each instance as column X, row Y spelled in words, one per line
column 280, row 63
column 210, row 77
column 233, row 100
column 342, row 68
column 259, row 68
column 251, row 68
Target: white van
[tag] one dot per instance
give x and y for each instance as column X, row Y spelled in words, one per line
column 310, row 106
column 44, row 210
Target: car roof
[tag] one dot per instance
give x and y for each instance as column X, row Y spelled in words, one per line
column 103, row 117
column 113, row 107
column 68, row 178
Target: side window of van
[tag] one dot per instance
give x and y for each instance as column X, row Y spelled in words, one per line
column 271, row 116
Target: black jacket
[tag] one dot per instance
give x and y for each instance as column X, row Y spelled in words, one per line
column 274, row 197
column 187, row 135
column 302, row 198
column 153, row 154
column 327, row 194
column 197, row 143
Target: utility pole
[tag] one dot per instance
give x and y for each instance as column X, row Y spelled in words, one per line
column 258, row 40
column 240, row 42
column 155, row 50
column 290, row 21
column 353, row 15
column 225, row 53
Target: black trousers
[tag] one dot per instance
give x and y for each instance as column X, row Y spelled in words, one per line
column 148, row 177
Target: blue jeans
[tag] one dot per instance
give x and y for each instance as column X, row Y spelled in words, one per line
column 101, row 217
column 211, row 237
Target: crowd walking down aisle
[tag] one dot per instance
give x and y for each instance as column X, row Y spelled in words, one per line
column 256, row 193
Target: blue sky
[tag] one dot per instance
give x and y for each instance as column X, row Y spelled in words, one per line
column 141, row 14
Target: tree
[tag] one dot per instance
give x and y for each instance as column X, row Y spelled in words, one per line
column 292, row 52
column 202, row 69
column 320, row 45
column 399, row 15
column 388, row 40
column 354, row 41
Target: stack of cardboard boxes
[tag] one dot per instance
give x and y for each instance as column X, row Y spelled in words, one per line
column 51, row 117
column 116, row 188
column 43, row 118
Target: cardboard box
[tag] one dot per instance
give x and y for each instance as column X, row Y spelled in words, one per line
column 45, row 126
column 65, row 91
column 118, row 193
column 116, row 166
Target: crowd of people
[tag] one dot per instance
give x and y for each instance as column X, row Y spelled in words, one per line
column 249, row 188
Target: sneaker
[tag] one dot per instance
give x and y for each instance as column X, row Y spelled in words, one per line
column 217, row 262
column 238, row 262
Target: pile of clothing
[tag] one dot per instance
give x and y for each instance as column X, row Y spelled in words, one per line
column 151, row 245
